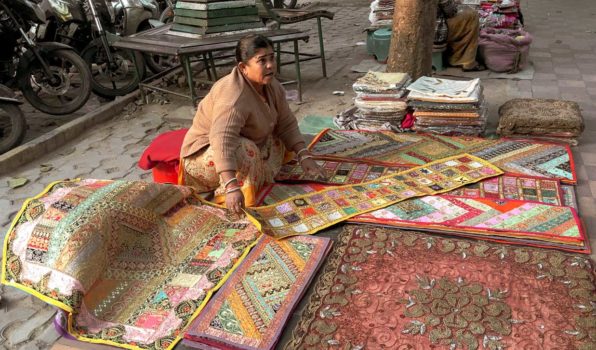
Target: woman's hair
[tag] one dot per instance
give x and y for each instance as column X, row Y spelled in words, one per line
column 248, row 45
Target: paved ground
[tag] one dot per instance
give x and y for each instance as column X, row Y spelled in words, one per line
column 563, row 52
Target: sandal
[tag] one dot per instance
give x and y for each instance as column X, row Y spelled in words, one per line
column 477, row 68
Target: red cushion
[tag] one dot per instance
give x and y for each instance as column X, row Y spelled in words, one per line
column 164, row 149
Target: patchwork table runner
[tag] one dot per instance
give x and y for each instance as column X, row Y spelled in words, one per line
column 313, row 212
column 510, row 221
column 525, row 157
column 525, row 188
column 338, row 173
column 481, row 211
column 251, row 309
column 131, row 262
column 391, row 289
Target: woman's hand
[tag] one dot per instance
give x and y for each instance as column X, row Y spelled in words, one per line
column 311, row 168
column 235, row 202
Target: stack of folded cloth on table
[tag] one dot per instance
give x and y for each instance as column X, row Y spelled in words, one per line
column 380, row 102
column 543, row 119
column 448, row 107
column 204, row 18
column 381, row 12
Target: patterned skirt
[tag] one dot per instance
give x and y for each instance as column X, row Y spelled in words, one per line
column 256, row 167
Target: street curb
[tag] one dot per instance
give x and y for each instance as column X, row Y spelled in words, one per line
column 50, row 141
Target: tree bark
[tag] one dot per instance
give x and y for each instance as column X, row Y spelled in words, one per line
column 412, row 37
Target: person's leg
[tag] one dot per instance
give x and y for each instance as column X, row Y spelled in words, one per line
column 462, row 39
column 198, row 171
column 256, row 166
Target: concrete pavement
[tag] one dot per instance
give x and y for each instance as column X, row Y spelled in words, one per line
column 563, row 52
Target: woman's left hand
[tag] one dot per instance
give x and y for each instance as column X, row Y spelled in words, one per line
column 311, row 168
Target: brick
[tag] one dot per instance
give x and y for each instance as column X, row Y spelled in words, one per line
column 562, row 70
column 25, row 330
column 49, row 335
column 571, row 83
column 17, row 315
column 29, row 346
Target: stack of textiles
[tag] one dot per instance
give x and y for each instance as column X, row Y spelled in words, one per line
column 381, row 12
column 380, row 103
column 448, row 107
column 543, row 119
column 500, row 14
column 197, row 18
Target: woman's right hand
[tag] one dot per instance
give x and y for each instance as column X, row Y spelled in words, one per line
column 235, row 202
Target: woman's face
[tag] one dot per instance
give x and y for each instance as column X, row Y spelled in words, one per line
column 260, row 69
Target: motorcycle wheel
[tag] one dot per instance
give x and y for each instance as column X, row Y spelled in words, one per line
column 68, row 93
column 12, row 126
column 286, row 4
column 105, row 80
column 159, row 63
column 289, row 4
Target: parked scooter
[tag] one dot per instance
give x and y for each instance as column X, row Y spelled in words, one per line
column 52, row 76
column 91, row 27
column 12, row 121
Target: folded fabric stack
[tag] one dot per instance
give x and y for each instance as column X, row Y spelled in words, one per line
column 197, row 18
column 381, row 12
column 448, row 107
column 500, row 14
column 544, row 119
column 379, row 102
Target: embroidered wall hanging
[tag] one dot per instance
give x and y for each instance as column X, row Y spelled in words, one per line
column 249, row 312
column 515, row 187
column 523, row 157
column 509, row 221
column 276, row 192
column 131, row 262
column 391, row 289
column 338, row 173
column 313, row 212
column 502, row 187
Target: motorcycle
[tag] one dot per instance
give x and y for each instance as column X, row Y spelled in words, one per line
column 51, row 76
column 12, row 121
column 91, row 27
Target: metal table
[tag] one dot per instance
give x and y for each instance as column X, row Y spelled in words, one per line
column 158, row 41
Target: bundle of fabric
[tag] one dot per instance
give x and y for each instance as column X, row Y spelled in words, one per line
column 381, row 12
column 500, row 14
column 544, row 119
column 448, row 107
column 379, row 103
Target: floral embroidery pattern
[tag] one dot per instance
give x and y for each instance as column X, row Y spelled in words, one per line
column 457, row 312
column 392, row 289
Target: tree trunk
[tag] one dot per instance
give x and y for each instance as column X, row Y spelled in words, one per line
column 412, row 38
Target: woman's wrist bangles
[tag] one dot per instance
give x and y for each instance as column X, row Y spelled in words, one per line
column 301, row 151
column 232, row 189
column 230, row 181
column 308, row 156
column 303, row 154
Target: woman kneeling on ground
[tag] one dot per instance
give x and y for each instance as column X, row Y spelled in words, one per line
column 242, row 129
